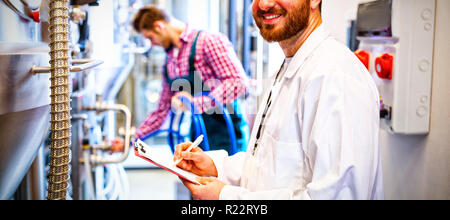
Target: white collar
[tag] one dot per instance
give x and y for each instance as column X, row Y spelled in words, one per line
column 313, row 41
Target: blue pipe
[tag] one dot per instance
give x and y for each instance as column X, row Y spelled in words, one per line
column 228, row 121
column 202, row 126
column 179, row 137
column 231, row 131
column 199, row 125
column 170, row 134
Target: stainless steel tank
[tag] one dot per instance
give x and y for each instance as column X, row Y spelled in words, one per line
column 24, row 110
column 15, row 28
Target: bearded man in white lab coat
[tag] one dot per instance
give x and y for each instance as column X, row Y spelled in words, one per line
column 316, row 133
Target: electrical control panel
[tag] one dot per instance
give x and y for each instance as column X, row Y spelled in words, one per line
column 401, row 66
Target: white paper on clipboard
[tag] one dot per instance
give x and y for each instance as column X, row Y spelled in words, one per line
column 161, row 160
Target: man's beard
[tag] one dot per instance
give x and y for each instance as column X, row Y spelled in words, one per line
column 295, row 21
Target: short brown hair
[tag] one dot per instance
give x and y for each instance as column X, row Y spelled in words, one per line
column 146, row 17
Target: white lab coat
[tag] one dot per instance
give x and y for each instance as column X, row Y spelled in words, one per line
column 321, row 134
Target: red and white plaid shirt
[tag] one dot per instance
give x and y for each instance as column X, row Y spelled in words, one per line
column 215, row 62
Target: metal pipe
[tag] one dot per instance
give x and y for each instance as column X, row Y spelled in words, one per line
column 60, row 100
column 123, row 178
column 246, row 36
column 99, row 106
column 83, row 65
column 87, row 170
column 232, row 22
column 110, row 180
column 121, row 78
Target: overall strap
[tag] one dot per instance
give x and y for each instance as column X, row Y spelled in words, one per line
column 165, row 73
column 191, row 61
column 192, row 54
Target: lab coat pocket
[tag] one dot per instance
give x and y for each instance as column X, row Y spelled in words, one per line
column 279, row 162
column 287, row 157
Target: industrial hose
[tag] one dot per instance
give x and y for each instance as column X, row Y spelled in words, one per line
column 60, row 100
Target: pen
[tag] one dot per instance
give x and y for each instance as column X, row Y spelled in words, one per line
column 193, row 145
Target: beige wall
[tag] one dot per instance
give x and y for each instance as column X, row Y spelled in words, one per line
column 419, row 167
column 415, row 167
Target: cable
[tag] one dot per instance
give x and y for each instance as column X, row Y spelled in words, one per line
column 125, row 183
column 87, row 168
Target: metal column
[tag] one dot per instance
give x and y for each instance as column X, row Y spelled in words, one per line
column 232, row 22
column 246, row 37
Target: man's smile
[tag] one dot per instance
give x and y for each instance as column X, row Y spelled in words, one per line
column 271, row 18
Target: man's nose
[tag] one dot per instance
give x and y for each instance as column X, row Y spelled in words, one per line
column 265, row 5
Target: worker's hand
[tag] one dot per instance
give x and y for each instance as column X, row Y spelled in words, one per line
column 176, row 100
column 195, row 161
column 209, row 190
column 117, row 145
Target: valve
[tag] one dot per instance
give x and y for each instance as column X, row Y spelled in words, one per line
column 364, row 57
column 384, row 65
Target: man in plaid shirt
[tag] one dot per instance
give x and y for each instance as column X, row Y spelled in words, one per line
column 203, row 59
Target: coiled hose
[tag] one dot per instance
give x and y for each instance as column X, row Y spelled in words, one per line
column 60, row 100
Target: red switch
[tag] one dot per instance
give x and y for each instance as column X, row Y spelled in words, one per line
column 363, row 56
column 384, row 65
column 35, row 15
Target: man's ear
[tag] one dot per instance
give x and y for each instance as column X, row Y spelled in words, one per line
column 315, row 4
column 159, row 26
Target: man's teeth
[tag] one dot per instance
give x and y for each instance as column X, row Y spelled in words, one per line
column 272, row 16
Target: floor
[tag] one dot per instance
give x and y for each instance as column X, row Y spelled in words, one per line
column 152, row 184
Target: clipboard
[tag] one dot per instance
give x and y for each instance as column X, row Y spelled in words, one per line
column 149, row 154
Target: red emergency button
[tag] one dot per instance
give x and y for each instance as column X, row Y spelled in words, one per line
column 363, row 56
column 384, row 65
column 35, row 15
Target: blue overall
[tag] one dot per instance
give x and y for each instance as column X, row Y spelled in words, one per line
column 215, row 124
